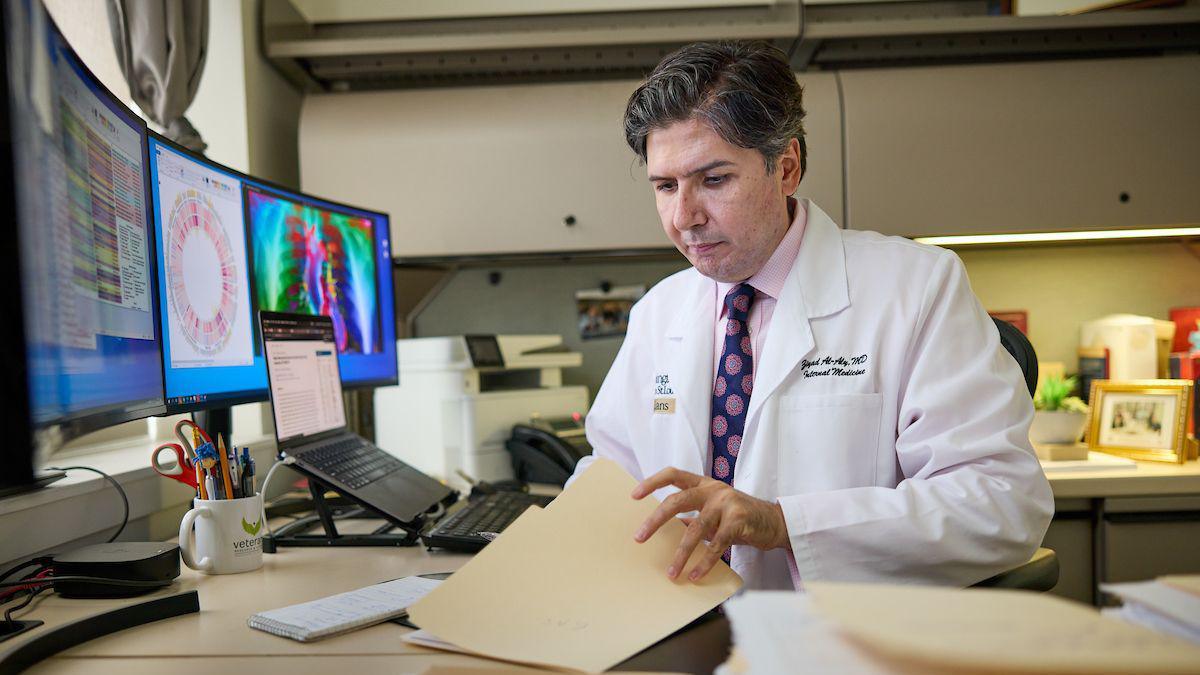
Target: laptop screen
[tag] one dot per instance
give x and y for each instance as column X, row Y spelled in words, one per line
column 302, row 366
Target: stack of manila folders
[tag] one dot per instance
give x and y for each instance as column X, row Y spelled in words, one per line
column 888, row 630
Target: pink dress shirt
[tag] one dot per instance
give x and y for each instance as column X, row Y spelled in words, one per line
column 768, row 284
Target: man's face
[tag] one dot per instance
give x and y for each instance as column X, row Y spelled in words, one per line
column 716, row 201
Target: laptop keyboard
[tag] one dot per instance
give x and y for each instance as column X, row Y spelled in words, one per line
column 492, row 513
column 352, row 461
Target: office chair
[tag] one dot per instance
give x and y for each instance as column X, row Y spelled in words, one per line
column 1041, row 572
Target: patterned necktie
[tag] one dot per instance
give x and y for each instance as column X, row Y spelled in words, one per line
column 732, row 387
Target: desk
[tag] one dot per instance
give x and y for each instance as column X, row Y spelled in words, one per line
column 1146, row 479
column 1124, row 525
column 191, row 644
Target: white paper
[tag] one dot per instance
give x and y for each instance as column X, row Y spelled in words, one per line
column 778, row 632
column 1158, row 606
column 372, row 603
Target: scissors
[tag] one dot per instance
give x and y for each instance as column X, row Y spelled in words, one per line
column 184, row 470
column 185, row 442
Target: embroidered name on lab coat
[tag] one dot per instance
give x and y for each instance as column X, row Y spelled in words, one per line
column 664, row 395
column 834, row 366
column 662, row 385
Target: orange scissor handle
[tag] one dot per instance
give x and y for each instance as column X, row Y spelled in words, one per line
column 183, row 470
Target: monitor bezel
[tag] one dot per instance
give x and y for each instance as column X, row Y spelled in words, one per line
column 255, row 396
column 18, row 453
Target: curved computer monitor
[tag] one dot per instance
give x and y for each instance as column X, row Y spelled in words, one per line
column 229, row 245
column 82, row 317
column 314, row 256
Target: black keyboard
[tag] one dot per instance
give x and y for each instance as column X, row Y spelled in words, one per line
column 352, row 461
column 490, row 513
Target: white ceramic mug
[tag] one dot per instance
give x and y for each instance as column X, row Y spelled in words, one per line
column 228, row 535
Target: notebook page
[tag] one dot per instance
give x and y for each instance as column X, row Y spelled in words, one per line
column 345, row 610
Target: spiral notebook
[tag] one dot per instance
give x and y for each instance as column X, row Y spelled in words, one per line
column 344, row 612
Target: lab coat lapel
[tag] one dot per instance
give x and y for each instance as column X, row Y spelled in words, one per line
column 815, row 287
column 689, row 354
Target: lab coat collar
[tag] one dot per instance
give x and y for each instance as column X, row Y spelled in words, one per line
column 820, row 271
column 815, row 287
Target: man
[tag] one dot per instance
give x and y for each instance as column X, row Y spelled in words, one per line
column 816, row 403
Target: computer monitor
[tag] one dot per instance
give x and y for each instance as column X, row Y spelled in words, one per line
column 81, row 312
column 211, row 353
column 312, row 256
column 230, row 245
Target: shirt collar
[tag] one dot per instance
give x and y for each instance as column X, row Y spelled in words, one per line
column 771, row 277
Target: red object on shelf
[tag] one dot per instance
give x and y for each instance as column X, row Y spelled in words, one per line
column 1186, row 366
column 1017, row 317
column 1187, row 321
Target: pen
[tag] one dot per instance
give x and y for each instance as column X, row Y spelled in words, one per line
column 253, row 481
column 201, row 488
column 224, row 466
column 235, row 474
column 210, row 487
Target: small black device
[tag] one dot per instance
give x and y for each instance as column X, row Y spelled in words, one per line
column 461, row 529
column 155, row 563
column 310, row 426
column 485, row 351
column 547, row 449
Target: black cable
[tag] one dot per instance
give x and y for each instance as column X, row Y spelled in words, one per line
column 28, row 599
column 135, row 583
column 124, row 499
column 42, row 559
column 13, row 594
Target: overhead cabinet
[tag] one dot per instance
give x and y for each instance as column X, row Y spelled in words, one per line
column 1023, row 147
column 513, row 169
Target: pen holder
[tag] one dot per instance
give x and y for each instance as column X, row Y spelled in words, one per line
column 228, row 535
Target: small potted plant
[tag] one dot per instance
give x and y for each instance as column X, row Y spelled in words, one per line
column 1058, row 418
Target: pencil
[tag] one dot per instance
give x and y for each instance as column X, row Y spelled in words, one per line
column 224, row 466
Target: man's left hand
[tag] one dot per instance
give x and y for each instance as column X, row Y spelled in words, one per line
column 726, row 517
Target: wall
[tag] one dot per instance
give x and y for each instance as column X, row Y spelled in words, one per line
column 537, row 299
column 1064, row 286
column 1060, row 287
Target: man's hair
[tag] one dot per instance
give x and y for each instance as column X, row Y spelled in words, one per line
column 745, row 91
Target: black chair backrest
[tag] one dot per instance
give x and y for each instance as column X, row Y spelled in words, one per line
column 1021, row 349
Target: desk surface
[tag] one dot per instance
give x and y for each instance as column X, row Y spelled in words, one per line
column 1146, row 479
column 218, row 641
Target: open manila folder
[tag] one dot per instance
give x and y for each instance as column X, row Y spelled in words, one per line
column 568, row 587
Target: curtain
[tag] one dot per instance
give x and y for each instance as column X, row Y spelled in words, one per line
column 161, row 46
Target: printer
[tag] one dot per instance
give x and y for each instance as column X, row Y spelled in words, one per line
column 460, row 396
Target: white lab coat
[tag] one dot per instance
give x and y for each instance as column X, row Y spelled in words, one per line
column 907, row 461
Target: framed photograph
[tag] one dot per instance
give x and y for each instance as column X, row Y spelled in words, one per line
column 1141, row 419
column 604, row 312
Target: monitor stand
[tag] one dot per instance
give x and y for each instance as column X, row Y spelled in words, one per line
column 216, row 422
column 296, row 532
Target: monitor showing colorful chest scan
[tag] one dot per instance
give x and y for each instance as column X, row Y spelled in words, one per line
column 310, row 422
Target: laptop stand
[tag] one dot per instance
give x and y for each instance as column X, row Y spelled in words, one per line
column 294, row 533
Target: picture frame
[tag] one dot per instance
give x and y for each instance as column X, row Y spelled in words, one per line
column 1141, row 419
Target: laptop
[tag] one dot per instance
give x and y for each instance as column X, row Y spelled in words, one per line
column 310, row 423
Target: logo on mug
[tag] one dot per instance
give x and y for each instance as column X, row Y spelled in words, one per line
column 252, row 529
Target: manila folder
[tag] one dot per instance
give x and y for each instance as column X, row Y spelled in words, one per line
column 568, row 587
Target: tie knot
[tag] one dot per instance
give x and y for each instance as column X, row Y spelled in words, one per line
column 738, row 301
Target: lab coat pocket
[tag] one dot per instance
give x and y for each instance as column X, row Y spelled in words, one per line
column 828, row 442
